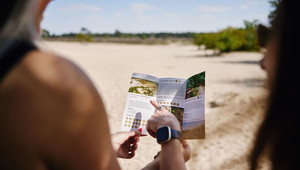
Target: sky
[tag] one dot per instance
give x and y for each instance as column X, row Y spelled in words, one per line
column 136, row 16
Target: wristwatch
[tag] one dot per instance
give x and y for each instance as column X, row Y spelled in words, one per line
column 165, row 134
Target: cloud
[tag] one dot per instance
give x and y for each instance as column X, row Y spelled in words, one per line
column 213, row 9
column 244, row 7
column 117, row 15
column 171, row 15
column 252, row 3
column 248, row 5
column 207, row 16
column 141, row 7
column 80, row 8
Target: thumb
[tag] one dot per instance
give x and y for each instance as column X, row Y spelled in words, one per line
column 185, row 144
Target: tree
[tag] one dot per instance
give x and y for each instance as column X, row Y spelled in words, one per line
column 251, row 35
column 45, row 33
column 85, row 31
column 85, row 35
column 118, row 34
column 206, row 39
column 250, row 26
column 275, row 6
column 231, row 39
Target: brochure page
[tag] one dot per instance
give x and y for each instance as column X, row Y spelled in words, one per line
column 171, row 95
column 194, row 114
column 138, row 109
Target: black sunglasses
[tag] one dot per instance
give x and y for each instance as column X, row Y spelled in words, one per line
column 263, row 35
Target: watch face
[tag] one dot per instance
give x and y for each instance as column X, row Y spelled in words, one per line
column 163, row 134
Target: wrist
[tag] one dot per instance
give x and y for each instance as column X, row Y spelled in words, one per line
column 174, row 141
column 165, row 134
column 175, row 126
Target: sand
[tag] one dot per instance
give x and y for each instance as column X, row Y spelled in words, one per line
column 235, row 90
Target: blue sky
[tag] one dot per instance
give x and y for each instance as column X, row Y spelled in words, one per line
column 64, row 16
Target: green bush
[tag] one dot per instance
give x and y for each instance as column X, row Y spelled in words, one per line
column 84, row 37
column 207, row 39
column 230, row 39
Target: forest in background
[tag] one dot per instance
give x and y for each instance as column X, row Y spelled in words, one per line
column 85, row 35
column 225, row 40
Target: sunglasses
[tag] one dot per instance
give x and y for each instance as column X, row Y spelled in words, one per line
column 263, row 35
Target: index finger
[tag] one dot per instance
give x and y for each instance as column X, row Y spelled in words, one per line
column 155, row 104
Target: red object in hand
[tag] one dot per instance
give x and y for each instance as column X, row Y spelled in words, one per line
column 140, row 130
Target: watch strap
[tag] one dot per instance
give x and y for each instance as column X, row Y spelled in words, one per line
column 176, row 134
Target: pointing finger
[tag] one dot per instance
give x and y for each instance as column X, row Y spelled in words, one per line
column 155, row 104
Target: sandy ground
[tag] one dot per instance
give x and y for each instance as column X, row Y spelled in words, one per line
column 235, row 90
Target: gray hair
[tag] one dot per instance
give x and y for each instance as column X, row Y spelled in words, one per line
column 21, row 23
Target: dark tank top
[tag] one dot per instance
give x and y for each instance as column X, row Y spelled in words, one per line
column 12, row 53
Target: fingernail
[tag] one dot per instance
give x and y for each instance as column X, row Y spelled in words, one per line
column 140, row 130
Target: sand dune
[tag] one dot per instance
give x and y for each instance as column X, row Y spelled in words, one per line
column 234, row 94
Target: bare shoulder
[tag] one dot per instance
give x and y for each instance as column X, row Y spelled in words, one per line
column 54, row 70
column 55, row 74
column 53, row 93
column 57, row 79
column 53, row 86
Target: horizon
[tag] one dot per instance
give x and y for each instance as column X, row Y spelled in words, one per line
column 152, row 16
column 162, row 32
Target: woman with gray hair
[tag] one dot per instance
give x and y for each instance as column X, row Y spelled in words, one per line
column 51, row 115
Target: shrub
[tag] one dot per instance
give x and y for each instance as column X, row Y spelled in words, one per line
column 230, row 39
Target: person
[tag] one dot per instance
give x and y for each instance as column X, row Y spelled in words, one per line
column 278, row 138
column 51, row 115
column 169, row 149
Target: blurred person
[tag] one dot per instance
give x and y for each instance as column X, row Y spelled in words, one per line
column 278, row 138
column 51, row 115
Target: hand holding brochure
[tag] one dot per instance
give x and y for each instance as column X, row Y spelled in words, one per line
column 184, row 98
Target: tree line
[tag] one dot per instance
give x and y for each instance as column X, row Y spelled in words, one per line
column 119, row 34
column 226, row 40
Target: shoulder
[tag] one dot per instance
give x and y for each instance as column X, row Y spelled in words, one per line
column 61, row 80
column 52, row 83
column 61, row 98
column 52, row 70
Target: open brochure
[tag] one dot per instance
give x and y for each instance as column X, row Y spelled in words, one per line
column 184, row 98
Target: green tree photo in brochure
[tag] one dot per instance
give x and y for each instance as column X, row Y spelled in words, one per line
column 193, row 85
